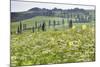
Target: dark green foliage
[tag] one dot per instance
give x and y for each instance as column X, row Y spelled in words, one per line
column 70, row 24
column 43, row 26
column 49, row 23
column 20, row 27
column 63, row 22
column 54, row 23
column 18, row 16
column 38, row 27
column 33, row 29
column 18, row 30
column 90, row 18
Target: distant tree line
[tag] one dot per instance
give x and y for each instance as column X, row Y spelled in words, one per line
column 76, row 13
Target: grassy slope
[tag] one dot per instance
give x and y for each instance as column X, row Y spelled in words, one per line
column 63, row 46
column 72, row 45
column 30, row 22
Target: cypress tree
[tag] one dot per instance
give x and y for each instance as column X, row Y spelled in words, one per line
column 63, row 22
column 43, row 26
column 33, row 29
column 20, row 27
column 38, row 26
column 18, row 30
column 78, row 18
column 54, row 23
column 24, row 26
column 70, row 24
column 49, row 23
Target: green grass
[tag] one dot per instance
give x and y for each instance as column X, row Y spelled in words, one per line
column 50, row 47
column 30, row 22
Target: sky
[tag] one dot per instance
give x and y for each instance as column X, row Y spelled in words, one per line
column 19, row 6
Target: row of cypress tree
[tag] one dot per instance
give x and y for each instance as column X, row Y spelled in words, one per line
column 41, row 26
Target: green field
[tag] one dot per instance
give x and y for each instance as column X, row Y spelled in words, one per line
column 49, row 47
column 38, row 19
